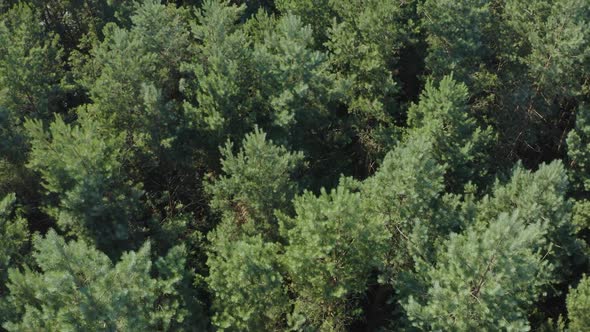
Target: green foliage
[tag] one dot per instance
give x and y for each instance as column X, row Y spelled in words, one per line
column 257, row 181
column 31, row 65
column 244, row 276
column 265, row 73
column 118, row 121
column 541, row 198
column 555, row 32
column 485, row 279
column 316, row 13
column 14, row 237
column 333, row 246
column 277, row 82
column 405, row 192
column 459, row 143
column 77, row 22
column 13, row 174
column 581, row 223
column 458, row 38
column 578, row 306
column 82, row 165
column 243, row 269
column 297, row 81
column 221, row 71
column 408, row 183
column 578, row 152
column 132, row 75
column 32, row 84
column 364, row 47
column 79, row 288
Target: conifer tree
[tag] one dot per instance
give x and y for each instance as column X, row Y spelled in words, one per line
column 485, row 279
column 188, row 153
column 77, row 22
column 14, row 177
column 301, row 92
column 274, row 80
column 578, row 306
column 79, row 288
column 318, row 14
column 31, row 65
column 333, row 246
column 245, row 278
column 558, row 51
column 221, row 99
column 365, row 42
column 14, row 236
column 299, row 86
column 82, row 165
column 459, row 143
column 578, row 153
column 458, row 34
column 133, row 77
column 406, row 191
column 540, row 197
column 257, row 180
column 31, row 85
column 244, row 265
column 359, row 53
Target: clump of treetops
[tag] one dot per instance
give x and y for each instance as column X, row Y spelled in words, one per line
column 295, row 165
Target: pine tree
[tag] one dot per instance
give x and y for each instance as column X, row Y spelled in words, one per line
column 14, row 237
column 294, row 76
column 540, row 197
column 79, row 288
column 77, row 22
column 274, row 79
column 459, row 35
column 257, row 180
column 82, row 165
column 333, row 246
column 301, row 94
column 31, row 85
column 132, row 77
column 220, row 93
column 246, row 281
column 364, row 47
column 365, row 42
column 318, row 14
column 244, row 266
column 14, row 177
column 485, row 279
column 554, row 32
column 459, row 143
column 578, row 153
column 406, row 191
column 578, row 306
column 31, row 65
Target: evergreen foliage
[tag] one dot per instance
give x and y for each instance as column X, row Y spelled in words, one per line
column 82, row 166
column 332, row 248
column 294, row 165
column 459, row 143
column 100, row 295
column 578, row 304
column 578, row 153
column 257, row 181
column 14, row 237
column 244, row 275
column 485, row 279
column 31, row 65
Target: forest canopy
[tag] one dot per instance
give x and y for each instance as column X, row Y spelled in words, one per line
column 295, row 165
